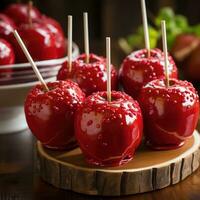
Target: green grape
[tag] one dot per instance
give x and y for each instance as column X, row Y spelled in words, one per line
column 154, row 36
column 166, row 14
column 181, row 22
column 195, row 30
column 137, row 40
column 175, row 25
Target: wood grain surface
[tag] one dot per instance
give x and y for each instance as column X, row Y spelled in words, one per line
column 149, row 170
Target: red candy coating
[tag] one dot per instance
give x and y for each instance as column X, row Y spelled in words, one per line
column 7, row 26
column 19, row 13
column 170, row 114
column 7, row 55
column 50, row 115
column 108, row 132
column 137, row 70
column 39, row 41
column 57, row 31
column 91, row 77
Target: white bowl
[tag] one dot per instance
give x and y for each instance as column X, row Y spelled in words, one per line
column 12, row 118
column 23, row 72
column 12, row 96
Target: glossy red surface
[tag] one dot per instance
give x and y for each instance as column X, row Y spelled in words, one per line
column 137, row 70
column 19, row 13
column 170, row 114
column 39, row 41
column 108, row 132
column 91, row 77
column 57, row 31
column 7, row 26
column 50, row 115
column 7, row 57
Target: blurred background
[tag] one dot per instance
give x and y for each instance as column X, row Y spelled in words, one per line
column 115, row 18
column 121, row 19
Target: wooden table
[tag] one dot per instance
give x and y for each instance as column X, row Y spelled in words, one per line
column 20, row 180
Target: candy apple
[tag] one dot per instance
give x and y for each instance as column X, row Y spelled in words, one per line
column 137, row 70
column 50, row 115
column 92, row 76
column 39, row 41
column 19, row 12
column 7, row 26
column 192, row 66
column 108, row 132
column 7, row 57
column 57, row 31
column 184, row 45
column 170, row 113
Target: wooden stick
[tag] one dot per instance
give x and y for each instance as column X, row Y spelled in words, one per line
column 69, row 42
column 28, row 56
column 86, row 36
column 145, row 27
column 164, row 42
column 108, row 61
column 30, row 6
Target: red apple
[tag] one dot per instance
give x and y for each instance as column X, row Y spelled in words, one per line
column 92, row 76
column 39, row 41
column 19, row 13
column 108, row 132
column 170, row 113
column 50, row 115
column 184, row 45
column 137, row 70
column 7, row 57
column 56, row 29
column 52, row 22
column 7, row 26
column 192, row 66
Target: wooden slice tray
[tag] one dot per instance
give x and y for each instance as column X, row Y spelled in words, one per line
column 148, row 171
